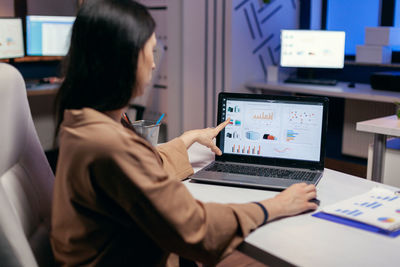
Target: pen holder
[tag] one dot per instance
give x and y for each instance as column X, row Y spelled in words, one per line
column 148, row 129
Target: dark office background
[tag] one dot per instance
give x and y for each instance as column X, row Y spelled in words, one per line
column 351, row 16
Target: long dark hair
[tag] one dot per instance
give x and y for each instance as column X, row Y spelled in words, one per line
column 101, row 64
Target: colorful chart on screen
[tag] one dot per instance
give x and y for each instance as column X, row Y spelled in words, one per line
column 273, row 129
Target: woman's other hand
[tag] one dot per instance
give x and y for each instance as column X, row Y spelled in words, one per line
column 292, row 201
column 204, row 136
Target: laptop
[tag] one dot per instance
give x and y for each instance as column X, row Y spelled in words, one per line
column 271, row 141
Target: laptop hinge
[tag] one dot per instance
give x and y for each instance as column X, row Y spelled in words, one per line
column 316, row 169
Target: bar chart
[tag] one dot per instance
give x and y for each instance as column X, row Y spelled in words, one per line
column 246, row 149
column 353, row 213
column 372, row 205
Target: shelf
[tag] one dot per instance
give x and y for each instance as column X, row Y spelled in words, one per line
column 359, row 92
column 32, row 59
column 43, row 90
column 35, row 59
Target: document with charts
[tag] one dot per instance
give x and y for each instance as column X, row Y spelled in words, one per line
column 379, row 207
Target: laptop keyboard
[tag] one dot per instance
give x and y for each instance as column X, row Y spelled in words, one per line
column 262, row 171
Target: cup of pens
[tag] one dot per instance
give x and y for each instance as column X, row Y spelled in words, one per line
column 148, row 129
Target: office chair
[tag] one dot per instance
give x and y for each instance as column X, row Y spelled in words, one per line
column 26, row 180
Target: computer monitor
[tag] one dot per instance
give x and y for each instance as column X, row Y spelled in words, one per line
column 312, row 49
column 48, row 35
column 11, row 38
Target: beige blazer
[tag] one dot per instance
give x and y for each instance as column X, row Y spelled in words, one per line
column 118, row 201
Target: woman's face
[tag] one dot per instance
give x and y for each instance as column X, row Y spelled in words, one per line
column 145, row 65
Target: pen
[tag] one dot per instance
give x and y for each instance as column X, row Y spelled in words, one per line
column 161, row 117
column 126, row 117
column 157, row 123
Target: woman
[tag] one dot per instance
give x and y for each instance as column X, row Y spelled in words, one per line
column 117, row 200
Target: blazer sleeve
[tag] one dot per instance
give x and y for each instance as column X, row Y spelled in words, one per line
column 175, row 159
column 163, row 207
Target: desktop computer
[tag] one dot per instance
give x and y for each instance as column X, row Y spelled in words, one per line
column 48, row 35
column 312, row 49
column 11, row 38
column 386, row 80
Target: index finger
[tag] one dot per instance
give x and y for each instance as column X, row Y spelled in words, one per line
column 222, row 126
column 310, row 188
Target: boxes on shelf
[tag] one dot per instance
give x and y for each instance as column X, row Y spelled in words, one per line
column 373, row 54
column 382, row 36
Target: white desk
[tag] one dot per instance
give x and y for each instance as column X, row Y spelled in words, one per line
column 361, row 103
column 304, row 240
column 360, row 92
column 381, row 128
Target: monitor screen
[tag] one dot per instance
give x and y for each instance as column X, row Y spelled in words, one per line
column 11, row 38
column 312, row 49
column 352, row 17
column 48, row 35
column 274, row 128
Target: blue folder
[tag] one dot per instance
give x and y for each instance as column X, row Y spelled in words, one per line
column 356, row 224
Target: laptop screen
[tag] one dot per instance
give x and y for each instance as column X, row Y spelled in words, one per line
column 272, row 128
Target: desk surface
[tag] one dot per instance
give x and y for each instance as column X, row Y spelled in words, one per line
column 389, row 125
column 305, row 240
column 360, row 92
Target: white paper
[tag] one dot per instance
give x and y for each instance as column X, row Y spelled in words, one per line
column 378, row 207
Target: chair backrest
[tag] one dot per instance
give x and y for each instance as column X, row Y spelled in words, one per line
column 26, row 180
